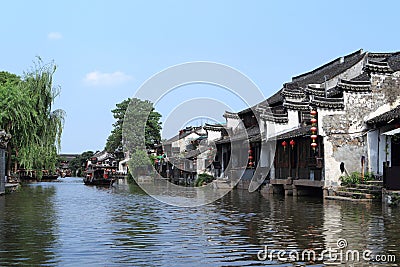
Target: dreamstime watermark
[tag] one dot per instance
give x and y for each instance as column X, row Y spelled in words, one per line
column 161, row 84
column 332, row 256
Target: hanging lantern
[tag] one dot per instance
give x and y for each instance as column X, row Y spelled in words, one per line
column 251, row 163
column 292, row 143
column 314, row 145
column 284, row 144
column 313, row 129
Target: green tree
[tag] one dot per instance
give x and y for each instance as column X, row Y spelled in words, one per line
column 26, row 113
column 77, row 165
column 152, row 128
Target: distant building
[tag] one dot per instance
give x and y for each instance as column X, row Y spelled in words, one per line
column 64, row 168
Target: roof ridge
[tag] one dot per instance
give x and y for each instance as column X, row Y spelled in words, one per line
column 331, row 63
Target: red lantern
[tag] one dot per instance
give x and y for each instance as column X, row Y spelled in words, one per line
column 313, row 112
column 292, row 143
column 314, row 145
column 314, row 129
column 250, row 151
column 313, row 120
column 284, row 144
column 314, row 137
column 250, row 157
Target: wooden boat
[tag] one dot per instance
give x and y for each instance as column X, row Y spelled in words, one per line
column 49, row 177
column 31, row 176
column 100, row 169
column 99, row 175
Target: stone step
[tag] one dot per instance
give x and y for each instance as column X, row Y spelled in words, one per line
column 355, row 195
column 369, row 186
column 374, row 182
column 362, row 190
column 347, row 199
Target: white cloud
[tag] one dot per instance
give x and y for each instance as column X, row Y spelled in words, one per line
column 97, row 78
column 54, row 36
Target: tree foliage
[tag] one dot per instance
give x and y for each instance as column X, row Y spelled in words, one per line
column 134, row 110
column 139, row 162
column 77, row 164
column 26, row 113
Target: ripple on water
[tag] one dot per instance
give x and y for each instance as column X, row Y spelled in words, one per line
column 69, row 224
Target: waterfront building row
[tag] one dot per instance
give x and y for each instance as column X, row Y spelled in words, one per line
column 339, row 118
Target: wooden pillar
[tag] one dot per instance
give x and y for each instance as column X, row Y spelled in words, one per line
column 294, row 190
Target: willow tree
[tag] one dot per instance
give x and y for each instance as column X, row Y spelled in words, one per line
column 26, row 113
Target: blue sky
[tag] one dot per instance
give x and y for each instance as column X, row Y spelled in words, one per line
column 106, row 49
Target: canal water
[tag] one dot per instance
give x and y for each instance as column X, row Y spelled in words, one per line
column 69, row 224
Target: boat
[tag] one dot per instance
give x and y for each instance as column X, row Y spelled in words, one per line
column 48, row 176
column 100, row 169
column 99, row 175
column 31, row 176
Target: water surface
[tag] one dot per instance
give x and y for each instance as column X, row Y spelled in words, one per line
column 69, row 224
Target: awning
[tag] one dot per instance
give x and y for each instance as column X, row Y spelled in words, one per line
column 392, row 132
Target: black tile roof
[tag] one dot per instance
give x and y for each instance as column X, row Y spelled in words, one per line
column 252, row 134
column 394, row 61
column 302, row 131
column 276, row 98
column 185, row 132
column 327, row 103
column 362, row 77
column 385, row 117
column 330, row 69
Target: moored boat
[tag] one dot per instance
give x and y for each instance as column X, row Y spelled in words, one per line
column 32, row 176
column 49, row 177
column 99, row 175
column 100, row 169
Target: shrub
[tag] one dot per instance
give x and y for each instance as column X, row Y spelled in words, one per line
column 355, row 178
column 203, row 178
column 369, row 176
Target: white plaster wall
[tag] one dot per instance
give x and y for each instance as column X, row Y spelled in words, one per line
column 372, row 142
column 332, row 166
column 213, row 135
column 274, row 128
column 181, row 143
column 382, row 109
column 347, row 75
column 267, row 154
column 378, row 154
column 293, row 116
column 232, row 123
column 321, row 113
